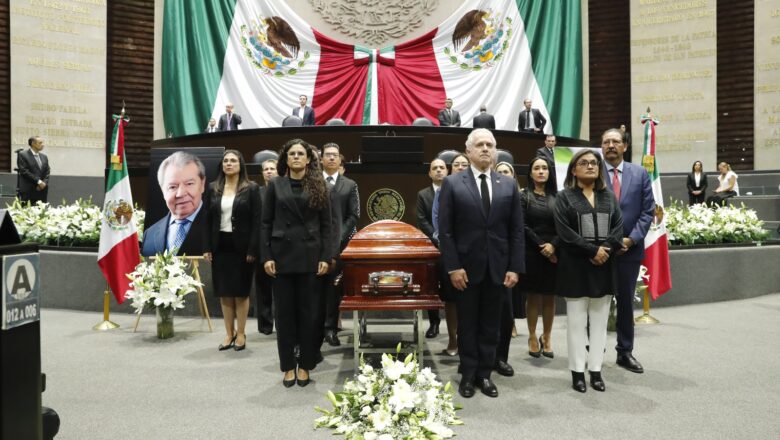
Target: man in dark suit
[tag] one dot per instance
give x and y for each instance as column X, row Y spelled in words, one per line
column 345, row 206
column 264, row 283
column 484, row 119
column 631, row 185
column 547, row 152
column 437, row 173
column 303, row 111
column 33, row 169
column 182, row 179
column 212, row 127
column 483, row 247
column 530, row 119
column 230, row 120
column 447, row 116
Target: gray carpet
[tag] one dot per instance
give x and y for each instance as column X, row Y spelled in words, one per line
column 712, row 371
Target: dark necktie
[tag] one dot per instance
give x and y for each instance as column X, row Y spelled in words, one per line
column 528, row 119
column 38, row 160
column 485, row 192
column 229, row 118
column 330, row 181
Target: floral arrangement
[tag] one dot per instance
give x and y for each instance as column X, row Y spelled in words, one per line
column 700, row 224
column 74, row 225
column 397, row 401
column 161, row 282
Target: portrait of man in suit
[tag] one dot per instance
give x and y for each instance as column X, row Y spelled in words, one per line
column 482, row 242
column 303, row 111
column 447, row 116
column 632, row 188
column 230, row 120
column 33, row 169
column 530, row 119
column 484, row 119
column 182, row 179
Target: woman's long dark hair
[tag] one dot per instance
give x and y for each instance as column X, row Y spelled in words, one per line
column 571, row 181
column 550, row 187
column 243, row 178
column 693, row 167
column 313, row 183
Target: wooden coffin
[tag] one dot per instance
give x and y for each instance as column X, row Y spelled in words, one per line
column 390, row 265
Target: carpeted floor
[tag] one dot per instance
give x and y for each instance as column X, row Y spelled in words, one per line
column 712, row 371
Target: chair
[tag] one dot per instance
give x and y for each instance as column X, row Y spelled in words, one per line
column 505, row 156
column 265, row 155
column 447, row 156
column 292, row 121
column 423, row 122
column 336, row 121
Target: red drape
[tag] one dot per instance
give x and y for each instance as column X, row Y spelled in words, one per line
column 340, row 87
column 411, row 87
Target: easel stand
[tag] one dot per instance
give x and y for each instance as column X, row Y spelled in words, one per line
column 204, row 308
column 106, row 324
column 646, row 318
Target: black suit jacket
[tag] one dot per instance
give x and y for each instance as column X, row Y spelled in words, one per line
column 485, row 245
column 156, row 236
column 692, row 182
column 247, row 209
column 295, row 239
column 345, row 210
column 425, row 211
column 539, row 120
column 29, row 175
column 308, row 115
column 484, row 120
column 445, row 121
column 235, row 121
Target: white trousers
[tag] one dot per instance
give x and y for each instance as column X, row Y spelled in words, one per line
column 578, row 312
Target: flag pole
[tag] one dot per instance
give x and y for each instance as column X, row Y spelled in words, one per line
column 646, row 318
column 107, row 324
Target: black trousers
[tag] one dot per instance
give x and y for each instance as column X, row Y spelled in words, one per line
column 720, row 198
column 479, row 317
column 628, row 271
column 332, row 295
column 264, row 299
column 297, row 299
column 505, row 330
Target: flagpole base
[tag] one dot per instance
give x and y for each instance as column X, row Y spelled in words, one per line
column 105, row 325
column 646, row 318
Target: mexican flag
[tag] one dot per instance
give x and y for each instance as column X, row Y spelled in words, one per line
column 118, row 252
column 261, row 56
column 656, row 242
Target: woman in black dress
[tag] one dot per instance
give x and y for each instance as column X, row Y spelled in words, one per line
column 541, row 243
column 697, row 184
column 590, row 231
column 231, row 244
column 296, row 248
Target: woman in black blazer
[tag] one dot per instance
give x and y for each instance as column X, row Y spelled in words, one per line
column 697, row 184
column 296, row 247
column 231, row 243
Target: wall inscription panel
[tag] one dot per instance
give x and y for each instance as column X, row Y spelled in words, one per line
column 58, row 81
column 767, row 84
column 674, row 72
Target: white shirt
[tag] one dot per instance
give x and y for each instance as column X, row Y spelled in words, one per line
column 530, row 116
column 435, row 187
column 724, row 181
column 226, row 216
column 301, row 111
column 479, row 181
column 697, row 178
column 611, row 174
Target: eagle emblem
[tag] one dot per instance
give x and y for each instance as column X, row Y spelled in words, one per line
column 271, row 46
column 118, row 213
column 480, row 40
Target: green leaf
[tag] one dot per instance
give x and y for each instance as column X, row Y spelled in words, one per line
column 446, row 50
column 292, row 71
column 454, row 59
column 301, row 63
column 306, row 55
column 278, row 74
column 464, row 66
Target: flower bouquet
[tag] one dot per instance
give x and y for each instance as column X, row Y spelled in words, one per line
column 701, row 224
column 397, row 401
column 161, row 283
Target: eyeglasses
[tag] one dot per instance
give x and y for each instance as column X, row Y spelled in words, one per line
column 330, row 155
column 584, row 163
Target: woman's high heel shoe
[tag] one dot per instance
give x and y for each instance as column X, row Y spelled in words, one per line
column 232, row 344
column 547, row 354
column 290, row 382
column 304, row 382
column 531, row 352
column 596, row 382
column 578, row 381
column 239, row 347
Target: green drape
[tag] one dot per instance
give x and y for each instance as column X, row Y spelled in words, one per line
column 195, row 35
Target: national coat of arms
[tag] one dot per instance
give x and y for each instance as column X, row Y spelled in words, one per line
column 480, row 40
column 118, row 213
column 271, row 46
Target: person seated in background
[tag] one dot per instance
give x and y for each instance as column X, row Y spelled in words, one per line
column 212, row 127
column 697, row 184
column 727, row 185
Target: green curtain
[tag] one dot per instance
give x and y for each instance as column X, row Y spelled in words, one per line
column 195, row 35
column 554, row 30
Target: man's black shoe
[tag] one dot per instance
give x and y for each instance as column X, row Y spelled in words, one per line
column 487, row 386
column 466, row 388
column 504, row 369
column 627, row 361
column 332, row 339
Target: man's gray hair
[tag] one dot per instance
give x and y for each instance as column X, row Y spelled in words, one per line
column 180, row 159
column 476, row 132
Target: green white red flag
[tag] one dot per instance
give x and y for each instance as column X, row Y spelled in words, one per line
column 118, row 253
column 656, row 242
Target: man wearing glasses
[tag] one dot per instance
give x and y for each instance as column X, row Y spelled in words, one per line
column 631, row 185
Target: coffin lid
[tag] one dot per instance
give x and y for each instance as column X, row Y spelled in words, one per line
column 389, row 239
